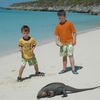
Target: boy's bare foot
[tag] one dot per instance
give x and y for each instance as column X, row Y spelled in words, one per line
column 40, row 74
column 62, row 71
column 74, row 72
column 19, row 79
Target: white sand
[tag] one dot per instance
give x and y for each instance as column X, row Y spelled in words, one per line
column 87, row 54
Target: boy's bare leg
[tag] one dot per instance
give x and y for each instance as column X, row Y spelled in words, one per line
column 36, row 68
column 21, row 71
column 72, row 62
column 64, row 62
column 37, row 72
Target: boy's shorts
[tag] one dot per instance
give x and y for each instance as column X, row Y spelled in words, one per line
column 31, row 61
column 66, row 50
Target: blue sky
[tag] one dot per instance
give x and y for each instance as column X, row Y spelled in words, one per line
column 4, row 3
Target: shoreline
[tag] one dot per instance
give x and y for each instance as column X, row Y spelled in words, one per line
column 51, row 40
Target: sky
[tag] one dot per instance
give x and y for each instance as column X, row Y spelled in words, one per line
column 4, row 3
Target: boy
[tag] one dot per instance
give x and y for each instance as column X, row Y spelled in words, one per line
column 26, row 47
column 66, row 39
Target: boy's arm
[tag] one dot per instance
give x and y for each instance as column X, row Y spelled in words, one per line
column 74, row 38
column 20, row 46
column 74, row 33
column 34, row 43
column 57, row 40
column 21, row 49
column 33, row 47
column 58, row 43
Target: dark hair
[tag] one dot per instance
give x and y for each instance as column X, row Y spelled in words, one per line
column 25, row 27
column 61, row 12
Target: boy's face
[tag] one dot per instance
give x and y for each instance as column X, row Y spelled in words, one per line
column 62, row 19
column 25, row 32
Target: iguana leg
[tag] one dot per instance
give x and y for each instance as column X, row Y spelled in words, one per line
column 50, row 94
column 64, row 93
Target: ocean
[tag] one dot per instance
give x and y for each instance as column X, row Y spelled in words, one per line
column 42, row 25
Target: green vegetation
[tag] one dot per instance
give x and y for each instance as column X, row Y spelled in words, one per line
column 67, row 2
column 52, row 3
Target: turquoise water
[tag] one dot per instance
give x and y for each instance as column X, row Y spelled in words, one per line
column 42, row 25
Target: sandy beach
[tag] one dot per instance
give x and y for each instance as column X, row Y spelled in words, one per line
column 86, row 52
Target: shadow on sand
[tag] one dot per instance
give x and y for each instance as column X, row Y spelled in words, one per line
column 76, row 68
column 32, row 75
column 67, row 70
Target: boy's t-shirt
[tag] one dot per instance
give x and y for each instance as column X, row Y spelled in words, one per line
column 27, row 45
column 65, row 32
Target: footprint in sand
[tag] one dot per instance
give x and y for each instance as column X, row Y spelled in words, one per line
column 1, row 83
column 13, row 70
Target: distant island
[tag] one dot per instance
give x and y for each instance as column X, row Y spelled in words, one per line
column 81, row 6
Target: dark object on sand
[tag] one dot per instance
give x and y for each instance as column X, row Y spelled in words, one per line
column 68, row 69
column 55, row 89
column 30, row 76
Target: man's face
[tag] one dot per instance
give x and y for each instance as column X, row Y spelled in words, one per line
column 25, row 32
column 62, row 19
